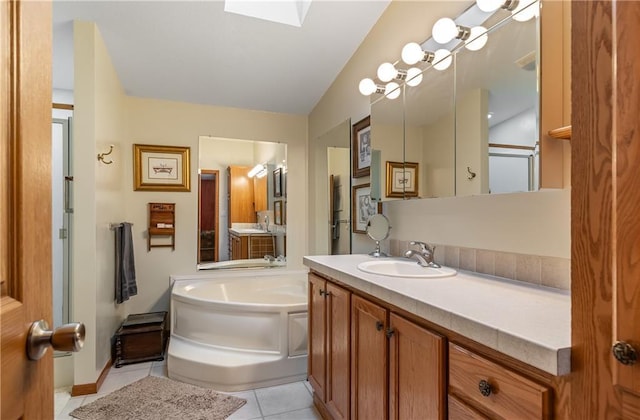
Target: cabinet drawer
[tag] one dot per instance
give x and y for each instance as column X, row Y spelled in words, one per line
column 509, row 395
column 460, row 411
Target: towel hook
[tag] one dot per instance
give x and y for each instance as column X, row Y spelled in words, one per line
column 102, row 155
column 471, row 174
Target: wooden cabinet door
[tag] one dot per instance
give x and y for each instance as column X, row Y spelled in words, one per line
column 369, row 352
column 316, row 367
column 241, row 196
column 338, row 310
column 416, row 372
column 26, row 387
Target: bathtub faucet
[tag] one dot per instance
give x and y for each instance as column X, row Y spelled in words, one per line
column 269, row 258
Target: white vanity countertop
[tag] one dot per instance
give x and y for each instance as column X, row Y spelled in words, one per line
column 527, row 322
column 249, row 231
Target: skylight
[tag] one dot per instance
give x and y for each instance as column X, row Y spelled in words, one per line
column 288, row 12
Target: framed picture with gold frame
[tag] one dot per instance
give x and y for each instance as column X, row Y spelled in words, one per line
column 161, row 168
column 402, row 179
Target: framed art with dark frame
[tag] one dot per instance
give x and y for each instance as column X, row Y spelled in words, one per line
column 161, row 168
column 402, row 179
column 277, row 182
column 361, row 148
column 362, row 207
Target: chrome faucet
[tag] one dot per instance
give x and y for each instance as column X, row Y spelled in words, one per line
column 424, row 256
column 266, row 222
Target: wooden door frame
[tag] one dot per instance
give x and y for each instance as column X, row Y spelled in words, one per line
column 216, row 216
column 605, row 138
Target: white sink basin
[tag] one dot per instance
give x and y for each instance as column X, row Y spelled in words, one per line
column 402, row 268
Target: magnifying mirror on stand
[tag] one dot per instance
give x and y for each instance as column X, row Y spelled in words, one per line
column 378, row 229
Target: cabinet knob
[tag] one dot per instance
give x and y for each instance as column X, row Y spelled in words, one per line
column 485, row 388
column 379, row 325
column 322, row 292
column 624, row 353
column 390, row 332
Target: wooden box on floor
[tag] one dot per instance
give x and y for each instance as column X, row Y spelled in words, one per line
column 141, row 338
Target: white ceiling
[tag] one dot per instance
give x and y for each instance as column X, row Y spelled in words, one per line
column 193, row 51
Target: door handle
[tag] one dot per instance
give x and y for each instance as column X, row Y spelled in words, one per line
column 69, row 337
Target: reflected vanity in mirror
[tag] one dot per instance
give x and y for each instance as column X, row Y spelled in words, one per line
column 240, row 207
column 472, row 127
column 378, row 228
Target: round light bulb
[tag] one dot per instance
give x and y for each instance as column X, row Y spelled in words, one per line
column 444, row 30
column 525, row 10
column 392, row 90
column 412, row 53
column 477, row 38
column 489, row 5
column 414, row 76
column 367, row 86
column 387, row 72
column 442, row 59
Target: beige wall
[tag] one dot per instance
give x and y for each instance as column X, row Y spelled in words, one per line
column 535, row 223
column 439, row 158
column 98, row 199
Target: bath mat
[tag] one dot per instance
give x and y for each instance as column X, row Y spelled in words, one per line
column 154, row 398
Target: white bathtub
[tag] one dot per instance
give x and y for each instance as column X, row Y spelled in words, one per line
column 238, row 330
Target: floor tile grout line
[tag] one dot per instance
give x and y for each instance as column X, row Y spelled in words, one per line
column 258, row 403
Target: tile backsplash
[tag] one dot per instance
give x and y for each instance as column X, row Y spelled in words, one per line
column 545, row 271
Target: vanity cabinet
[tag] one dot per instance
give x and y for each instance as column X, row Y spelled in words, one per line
column 366, row 362
column 369, row 368
column 329, row 337
column 238, row 246
column 490, row 388
column 250, row 246
column 398, row 369
column 369, row 359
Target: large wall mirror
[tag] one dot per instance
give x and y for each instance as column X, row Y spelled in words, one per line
column 242, row 197
column 470, row 128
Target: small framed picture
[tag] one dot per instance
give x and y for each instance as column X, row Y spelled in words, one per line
column 361, row 147
column 277, row 182
column 277, row 212
column 402, row 179
column 362, row 207
column 161, row 168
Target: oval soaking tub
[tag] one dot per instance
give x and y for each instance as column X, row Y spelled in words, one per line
column 233, row 331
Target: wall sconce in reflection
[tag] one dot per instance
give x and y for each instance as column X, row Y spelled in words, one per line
column 102, row 155
column 259, row 171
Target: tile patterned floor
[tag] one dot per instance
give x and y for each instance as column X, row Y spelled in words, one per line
column 283, row 402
